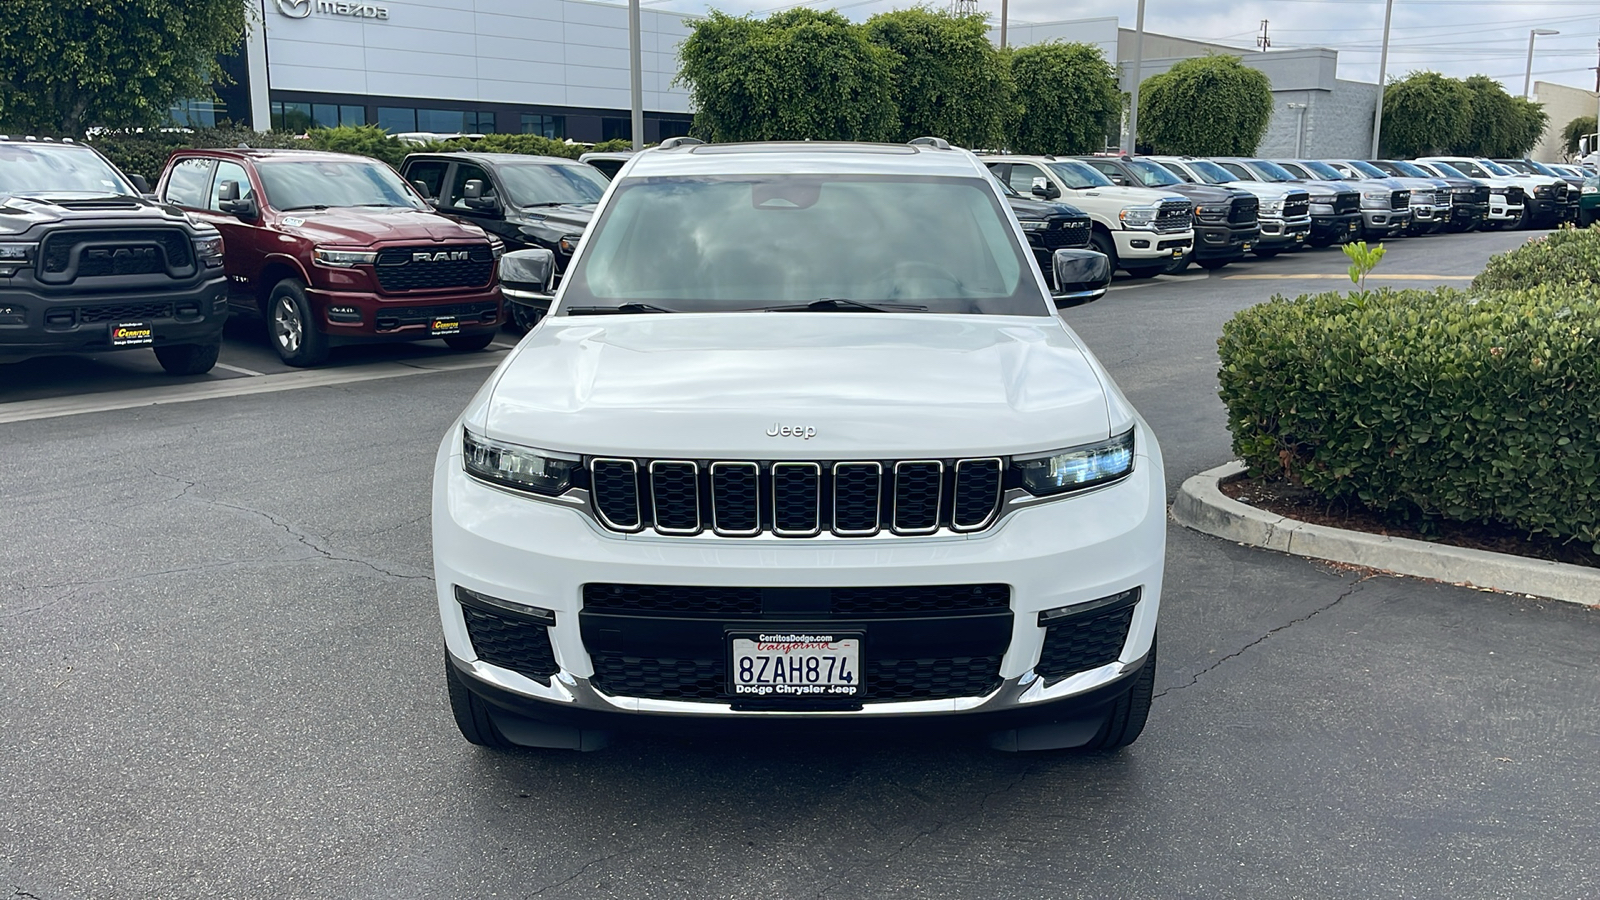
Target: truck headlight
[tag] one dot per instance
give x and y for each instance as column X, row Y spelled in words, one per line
column 1273, row 206
column 1077, row 467
column 344, row 259
column 1138, row 217
column 208, row 249
column 522, row 468
column 1591, row 189
column 18, row 253
column 1033, row 224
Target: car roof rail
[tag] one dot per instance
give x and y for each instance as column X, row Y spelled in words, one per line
column 936, row 143
column 682, row 140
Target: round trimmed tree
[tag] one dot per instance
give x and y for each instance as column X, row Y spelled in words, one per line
column 1207, row 106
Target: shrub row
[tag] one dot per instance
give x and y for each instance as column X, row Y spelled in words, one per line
column 1566, row 256
column 1478, row 407
column 146, row 152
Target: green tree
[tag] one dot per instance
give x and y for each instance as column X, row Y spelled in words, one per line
column 1576, row 129
column 1502, row 125
column 1424, row 114
column 803, row 74
column 1067, row 99
column 949, row 81
column 69, row 65
column 1206, row 106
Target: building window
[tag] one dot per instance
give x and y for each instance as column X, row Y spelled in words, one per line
column 198, row 113
column 397, row 119
column 480, row 123
column 441, row 121
column 673, row 128
column 554, row 127
column 616, row 129
column 291, row 116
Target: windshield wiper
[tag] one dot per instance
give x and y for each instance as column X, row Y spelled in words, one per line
column 308, row 206
column 616, row 310
column 543, row 203
column 834, row 304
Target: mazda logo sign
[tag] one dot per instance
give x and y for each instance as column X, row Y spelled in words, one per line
column 295, row 9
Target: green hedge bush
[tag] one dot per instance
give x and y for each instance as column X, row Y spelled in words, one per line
column 1480, row 407
column 1565, row 256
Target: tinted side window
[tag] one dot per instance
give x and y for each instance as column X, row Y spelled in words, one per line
column 227, row 171
column 1022, row 176
column 1180, row 172
column 187, row 184
column 430, row 173
column 1295, row 170
column 1237, row 170
column 1109, row 170
column 466, row 172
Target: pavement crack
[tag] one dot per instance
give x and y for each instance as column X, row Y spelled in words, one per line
column 314, row 543
column 1195, row 678
column 579, row 874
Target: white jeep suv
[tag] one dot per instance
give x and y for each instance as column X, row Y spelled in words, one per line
column 802, row 445
column 1141, row 230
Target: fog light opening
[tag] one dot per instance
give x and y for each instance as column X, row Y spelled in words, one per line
column 539, row 615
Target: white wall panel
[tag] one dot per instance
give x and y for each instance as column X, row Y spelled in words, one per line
column 551, row 94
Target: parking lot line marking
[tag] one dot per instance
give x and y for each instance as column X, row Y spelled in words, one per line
column 77, row 405
column 241, row 370
column 1344, row 277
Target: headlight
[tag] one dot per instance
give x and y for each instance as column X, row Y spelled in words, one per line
column 1078, row 467
column 497, row 247
column 1591, row 189
column 569, row 243
column 523, row 468
column 208, row 249
column 1272, row 206
column 1033, row 224
column 1544, row 190
column 17, row 253
column 1378, row 194
column 344, row 259
column 1138, row 216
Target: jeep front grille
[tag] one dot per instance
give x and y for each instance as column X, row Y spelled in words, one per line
column 795, row 498
column 405, row 269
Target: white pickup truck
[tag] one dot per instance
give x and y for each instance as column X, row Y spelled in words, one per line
column 1141, row 230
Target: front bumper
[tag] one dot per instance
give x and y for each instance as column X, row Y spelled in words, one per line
column 1468, row 213
column 1283, row 233
column 1385, row 221
column 1336, row 229
column 1052, row 555
column 1219, row 240
column 1501, row 211
column 1151, row 246
column 350, row 317
column 49, row 323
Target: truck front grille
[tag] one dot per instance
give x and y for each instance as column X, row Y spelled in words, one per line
column 1069, row 234
column 1346, row 202
column 1243, row 211
column 422, row 268
column 73, row 253
column 125, row 312
column 1400, row 200
column 796, row 499
column 1174, row 215
column 1297, row 206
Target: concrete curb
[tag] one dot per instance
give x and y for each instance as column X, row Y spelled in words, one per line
column 1202, row 506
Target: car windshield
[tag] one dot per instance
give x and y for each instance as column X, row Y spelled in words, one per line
column 1517, row 165
column 1543, row 169
column 1496, row 168
column 1322, row 170
column 1366, row 168
column 1077, row 175
column 1210, row 172
column 1269, row 171
column 325, row 183
column 1470, row 168
column 44, row 169
column 1408, row 169
column 1152, row 175
column 549, row 185
column 751, row 243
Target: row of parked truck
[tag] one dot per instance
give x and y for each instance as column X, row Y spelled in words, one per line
column 331, row 249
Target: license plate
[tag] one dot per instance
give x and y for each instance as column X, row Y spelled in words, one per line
column 798, row 664
column 132, row 334
column 1247, row 245
column 1177, row 253
column 445, row 325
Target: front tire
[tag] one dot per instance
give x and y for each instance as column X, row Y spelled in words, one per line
column 292, row 328
column 1102, row 242
column 471, row 714
column 1267, row 253
column 189, row 359
column 1212, row 264
column 469, row 343
column 1128, row 714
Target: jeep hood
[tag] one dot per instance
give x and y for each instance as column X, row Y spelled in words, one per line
column 364, row 226
column 874, row 386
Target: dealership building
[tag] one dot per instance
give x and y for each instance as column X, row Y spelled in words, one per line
column 553, row 67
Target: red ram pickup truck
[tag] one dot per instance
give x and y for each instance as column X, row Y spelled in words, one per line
column 332, row 249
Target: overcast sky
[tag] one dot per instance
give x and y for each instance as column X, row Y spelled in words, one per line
column 1456, row 37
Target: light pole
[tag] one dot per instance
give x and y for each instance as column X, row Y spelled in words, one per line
column 1527, row 74
column 1004, row 14
column 1383, row 73
column 635, row 76
column 1131, row 142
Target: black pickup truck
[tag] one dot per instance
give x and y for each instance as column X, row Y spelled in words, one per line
column 88, row 264
column 1225, row 219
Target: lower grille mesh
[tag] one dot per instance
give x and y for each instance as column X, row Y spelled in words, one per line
column 513, row 643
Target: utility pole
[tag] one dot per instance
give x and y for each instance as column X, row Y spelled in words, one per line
column 1527, row 74
column 1131, row 141
column 635, row 75
column 1383, row 74
column 1003, row 16
column 1262, row 40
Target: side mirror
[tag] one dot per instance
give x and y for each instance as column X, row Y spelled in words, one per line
column 228, row 201
column 1080, row 276
column 140, row 184
column 527, row 278
column 472, row 196
column 1044, row 189
column 1116, row 178
column 422, row 188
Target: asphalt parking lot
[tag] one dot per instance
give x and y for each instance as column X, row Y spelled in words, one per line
column 224, row 679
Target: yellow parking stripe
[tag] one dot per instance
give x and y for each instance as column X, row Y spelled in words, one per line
column 1344, row 277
